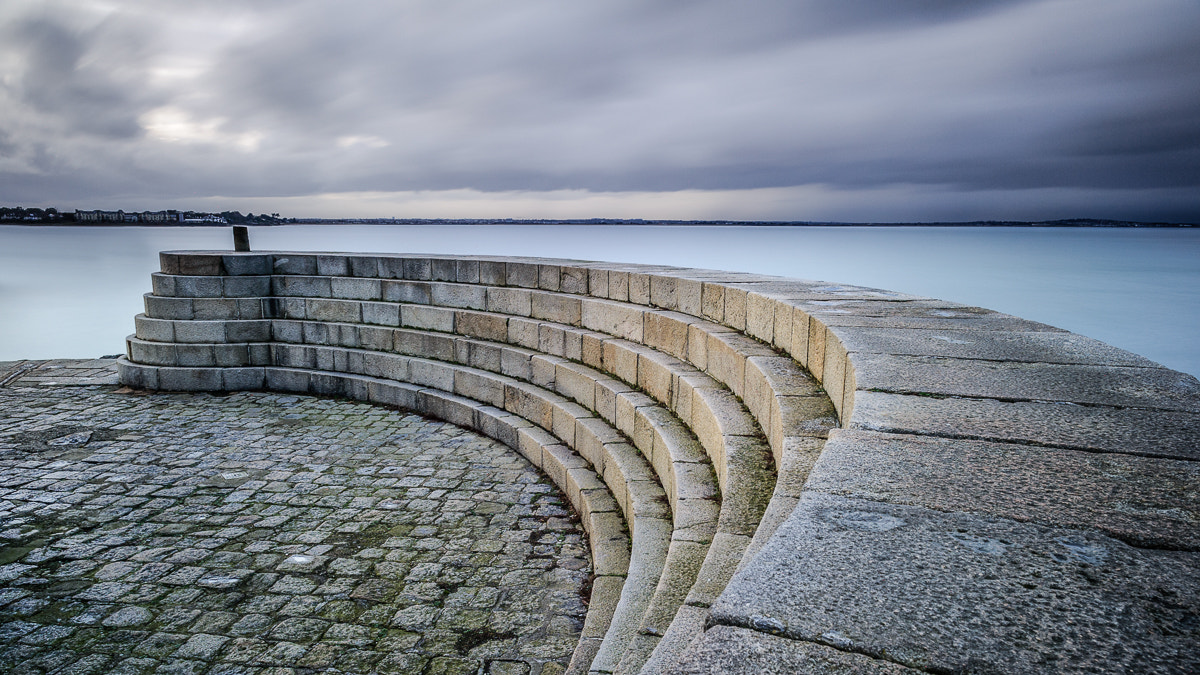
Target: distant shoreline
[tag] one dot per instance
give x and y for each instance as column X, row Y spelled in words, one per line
column 1068, row 223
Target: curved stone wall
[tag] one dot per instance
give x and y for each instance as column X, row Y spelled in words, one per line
column 999, row 494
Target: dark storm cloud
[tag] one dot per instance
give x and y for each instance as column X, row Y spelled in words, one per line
column 287, row 99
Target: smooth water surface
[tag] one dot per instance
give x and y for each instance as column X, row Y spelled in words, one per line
column 70, row 292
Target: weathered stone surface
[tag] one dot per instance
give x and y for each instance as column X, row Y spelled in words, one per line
column 1153, row 433
column 1146, row 502
column 727, row 649
column 1014, row 597
column 1102, row 385
column 992, row 345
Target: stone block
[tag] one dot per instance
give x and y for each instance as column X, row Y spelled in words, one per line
column 689, row 293
column 654, row 374
column 418, row 269
column 724, row 554
column 190, row 379
column 305, row 287
column 199, row 331
column 353, row 288
column 333, row 265
column 597, row 283
column 639, row 288
column 346, row 311
column 163, row 285
column 287, row 331
column 443, row 269
column 198, row 287
column 515, row 301
column 428, row 318
column 549, row 277
column 376, row 338
column 431, row 374
column 413, row 292
column 391, row 267
column 621, row 360
column 246, row 287
column 481, row 325
column 216, row 309
column 551, row 339
column 576, row 383
column 613, row 318
column 664, row 291
column 381, row 313
column 199, row 264
column 247, row 331
column 462, row 296
column 491, row 273
column 395, row 394
column 573, row 280
column 618, row 285
column 591, row 349
column 523, row 332
column 364, row 266
column 667, row 332
column 195, row 356
column 558, row 308
column 243, row 379
column 479, row 386
column 294, row 264
column 525, row 400
column 484, row 356
column 153, row 353
column 170, row 308
column 522, row 275
column 467, row 272
column 516, row 363
column 1159, row 433
column 287, row 379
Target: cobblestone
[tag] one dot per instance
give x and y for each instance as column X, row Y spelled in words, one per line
column 262, row 533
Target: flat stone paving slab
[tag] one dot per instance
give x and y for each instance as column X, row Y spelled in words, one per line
column 267, row 533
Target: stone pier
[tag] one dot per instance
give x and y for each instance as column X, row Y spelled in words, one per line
column 773, row 475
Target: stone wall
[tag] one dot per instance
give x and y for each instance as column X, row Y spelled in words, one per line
column 775, row 474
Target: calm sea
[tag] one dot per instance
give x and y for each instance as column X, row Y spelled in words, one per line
column 72, row 292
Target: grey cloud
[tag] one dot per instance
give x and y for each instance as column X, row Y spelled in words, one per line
column 623, row 95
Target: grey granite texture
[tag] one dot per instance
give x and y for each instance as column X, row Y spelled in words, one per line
column 954, row 592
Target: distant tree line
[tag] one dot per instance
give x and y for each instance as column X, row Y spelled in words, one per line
column 18, row 214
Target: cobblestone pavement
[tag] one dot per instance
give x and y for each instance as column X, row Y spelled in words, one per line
column 267, row 533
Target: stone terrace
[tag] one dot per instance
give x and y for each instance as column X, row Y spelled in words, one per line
column 836, row 477
column 268, row 533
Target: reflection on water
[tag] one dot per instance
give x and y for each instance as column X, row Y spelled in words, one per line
column 72, row 292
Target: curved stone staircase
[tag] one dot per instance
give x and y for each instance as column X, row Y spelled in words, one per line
column 674, row 409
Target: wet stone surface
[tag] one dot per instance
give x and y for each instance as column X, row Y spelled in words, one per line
column 264, row 533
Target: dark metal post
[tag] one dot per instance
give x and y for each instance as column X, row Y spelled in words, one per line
column 241, row 238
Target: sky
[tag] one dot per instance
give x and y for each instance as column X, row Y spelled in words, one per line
column 806, row 110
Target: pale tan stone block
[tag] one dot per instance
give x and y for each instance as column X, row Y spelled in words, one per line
column 667, row 332
column 816, row 349
column 556, row 307
column 627, row 404
column 735, row 308
column 542, row 369
column 606, row 393
column 523, row 332
column 712, row 302
column 461, row 296
column 516, row 363
column 654, row 374
column 664, row 291
column 428, row 318
column 551, row 339
column 591, row 349
column 618, row 285
column 523, row 275
column 798, row 347
column 760, row 317
column 613, row 318
column 834, row 373
column 524, row 400
column 697, row 349
column 621, row 360
column 481, row 325
column 574, row 280
column 549, row 277
column 515, row 301
column 725, row 363
column 689, row 293
column 431, row 374
column 597, row 283
column 479, row 386
column 639, row 288
column 565, row 416
column 575, row 383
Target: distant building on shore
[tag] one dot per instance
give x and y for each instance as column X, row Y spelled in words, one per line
column 122, row 217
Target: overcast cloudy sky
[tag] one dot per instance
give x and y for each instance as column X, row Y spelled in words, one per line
column 849, row 110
